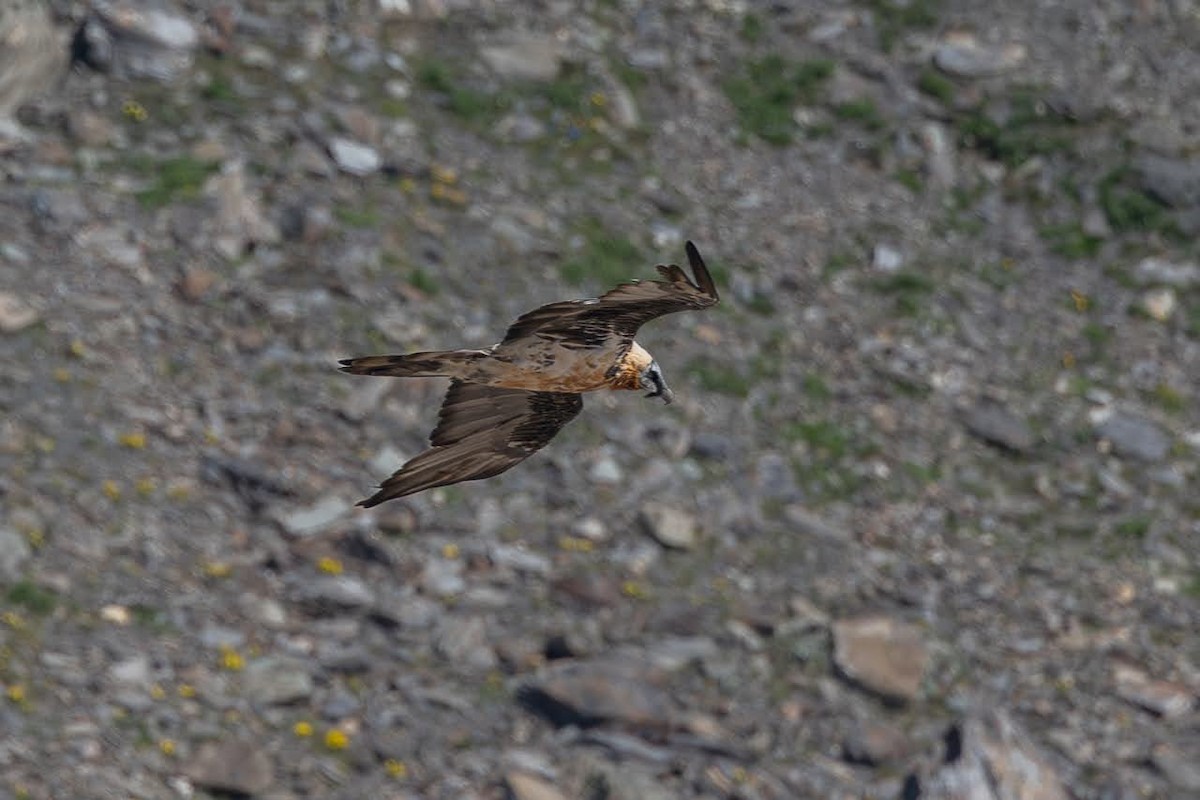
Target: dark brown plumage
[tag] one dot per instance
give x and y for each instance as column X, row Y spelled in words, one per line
column 508, row 401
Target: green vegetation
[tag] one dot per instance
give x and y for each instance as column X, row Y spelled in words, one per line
column 1070, row 241
column 907, row 287
column 606, row 258
column 422, row 281
column 752, row 28
column 462, row 101
column 367, row 217
column 568, row 92
column 1134, row 527
column 719, row 376
column 181, row 176
column 824, row 439
column 1169, row 398
column 936, row 85
column 31, row 597
column 893, row 17
column 1129, row 208
column 909, row 179
column 767, row 91
column 862, row 112
column 1028, row 129
column 815, row 388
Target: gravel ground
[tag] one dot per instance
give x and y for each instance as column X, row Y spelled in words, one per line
column 922, row 522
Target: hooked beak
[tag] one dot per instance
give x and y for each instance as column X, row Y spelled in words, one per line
column 663, row 391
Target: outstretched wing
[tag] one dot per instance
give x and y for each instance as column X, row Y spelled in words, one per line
column 623, row 310
column 481, row 432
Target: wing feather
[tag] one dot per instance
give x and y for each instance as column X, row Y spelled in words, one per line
column 625, row 308
column 481, row 431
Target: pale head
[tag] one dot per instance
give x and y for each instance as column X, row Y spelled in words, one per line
column 639, row 370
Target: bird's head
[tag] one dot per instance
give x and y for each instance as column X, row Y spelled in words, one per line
column 639, row 371
column 651, row 379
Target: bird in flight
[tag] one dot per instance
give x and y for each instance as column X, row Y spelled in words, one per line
column 509, row 400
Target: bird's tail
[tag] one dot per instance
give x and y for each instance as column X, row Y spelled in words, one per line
column 446, row 363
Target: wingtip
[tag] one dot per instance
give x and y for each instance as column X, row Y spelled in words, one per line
column 704, row 278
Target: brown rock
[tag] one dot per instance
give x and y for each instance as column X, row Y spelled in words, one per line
column 882, row 654
column 234, row 767
column 523, row 786
column 590, row 692
column 1165, row 698
column 196, row 282
column 873, row 742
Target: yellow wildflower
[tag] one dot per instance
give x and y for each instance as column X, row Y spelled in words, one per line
column 231, row 659
column 157, row 692
column 303, row 729
column 450, row 550
column 15, row 693
column 330, row 565
column 336, row 739
column 397, row 769
column 167, row 746
column 134, row 111
column 134, row 441
column 186, row 690
column 111, row 490
column 634, row 590
column 576, row 544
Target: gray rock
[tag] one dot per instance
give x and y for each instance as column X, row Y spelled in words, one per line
column 520, row 558
column 624, row 109
column 963, row 56
column 464, row 643
column 708, row 445
column 886, row 258
column 670, row 527
column 232, row 766
column 1155, row 270
column 277, row 680
column 334, row 594
column 138, row 39
column 521, row 128
column 997, row 425
column 410, row 611
column 606, row 470
column 940, row 155
column 354, row 158
column 14, row 552
column 1135, row 437
column 881, row 654
column 240, row 222
column 314, row 519
column 527, row 57
column 32, row 56
column 15, row 313
column 1174, row 181
column 1181, row 768
column 442, row 577
column 132, row 672
column 991, row 759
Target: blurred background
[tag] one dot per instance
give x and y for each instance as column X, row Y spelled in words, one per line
column 922, row 522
